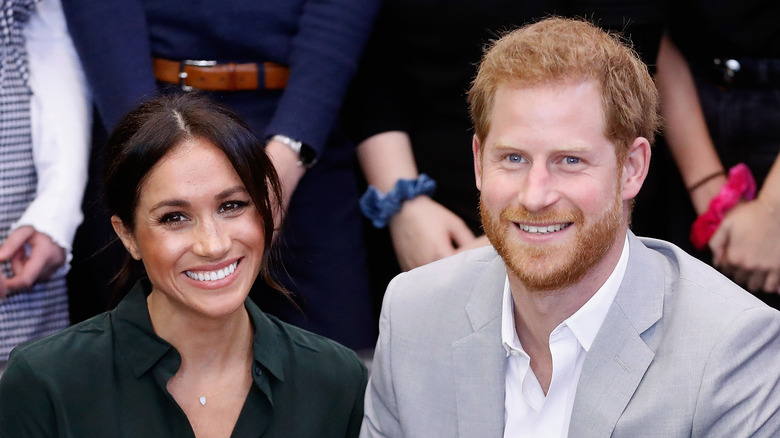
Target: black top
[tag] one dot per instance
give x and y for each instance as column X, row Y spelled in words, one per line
column 106, row 377
column 707, row 29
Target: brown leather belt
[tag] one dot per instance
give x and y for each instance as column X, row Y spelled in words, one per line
column 211, row 76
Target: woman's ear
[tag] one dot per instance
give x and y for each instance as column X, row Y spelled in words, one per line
column 126, row 236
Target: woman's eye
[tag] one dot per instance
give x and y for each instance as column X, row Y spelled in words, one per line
column 172, row 218
column 232, row 206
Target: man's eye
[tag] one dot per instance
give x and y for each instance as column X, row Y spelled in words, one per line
column 515, row 158
column 571, row 160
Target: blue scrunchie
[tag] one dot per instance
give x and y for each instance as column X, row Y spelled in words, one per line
column 381, row 207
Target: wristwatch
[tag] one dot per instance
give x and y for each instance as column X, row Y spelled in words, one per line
column 306, row 155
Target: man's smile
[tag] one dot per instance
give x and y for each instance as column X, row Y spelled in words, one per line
column 543, row 229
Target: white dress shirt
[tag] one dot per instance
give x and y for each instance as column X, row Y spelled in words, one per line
column 527, row 411
column 60, row 113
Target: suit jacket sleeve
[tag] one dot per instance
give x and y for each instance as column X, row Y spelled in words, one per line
column 381, row 413
column 740, row 388
column 112, row 41
column 323, row 59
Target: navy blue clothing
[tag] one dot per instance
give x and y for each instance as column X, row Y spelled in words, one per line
column 321, row 41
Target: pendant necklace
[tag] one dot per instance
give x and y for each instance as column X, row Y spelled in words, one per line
column 202, row 398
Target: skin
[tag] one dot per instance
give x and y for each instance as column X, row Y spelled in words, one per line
column 423, row 230
column 43, row 260
column 546, row 154
column 195, row 215
column 740, row 246
column 290, row 174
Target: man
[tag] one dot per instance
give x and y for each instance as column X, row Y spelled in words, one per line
column 571, row 325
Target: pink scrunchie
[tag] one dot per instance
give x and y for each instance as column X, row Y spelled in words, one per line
column 741, row 185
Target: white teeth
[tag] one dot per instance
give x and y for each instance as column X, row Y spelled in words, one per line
column 213, row 275
column 542, row 230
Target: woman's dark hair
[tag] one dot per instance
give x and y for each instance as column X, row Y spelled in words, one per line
column 154, row 129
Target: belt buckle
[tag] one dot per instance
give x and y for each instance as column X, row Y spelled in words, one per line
column 195, row 63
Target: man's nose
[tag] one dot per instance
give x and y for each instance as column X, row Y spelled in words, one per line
column 538, row 190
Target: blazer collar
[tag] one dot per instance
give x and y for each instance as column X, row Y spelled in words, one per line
column 619, row 357
column 479, row 358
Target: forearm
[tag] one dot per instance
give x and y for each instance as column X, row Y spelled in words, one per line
column 686, row 129
column 770, row 191
column 323, row 58
column 385, row 158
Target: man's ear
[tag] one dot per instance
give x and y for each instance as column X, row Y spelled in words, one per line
column 475, row 149
column 126, row 236
column 635, row 167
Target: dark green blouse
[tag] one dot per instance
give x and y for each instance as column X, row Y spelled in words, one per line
column 106, row 377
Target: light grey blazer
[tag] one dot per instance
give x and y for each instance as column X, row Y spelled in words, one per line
column 682, row 352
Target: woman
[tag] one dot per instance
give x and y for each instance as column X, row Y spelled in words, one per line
column 192, row 195
column 292, row 61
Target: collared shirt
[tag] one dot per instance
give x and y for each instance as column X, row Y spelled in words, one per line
column 527, row 411
column 107, row 377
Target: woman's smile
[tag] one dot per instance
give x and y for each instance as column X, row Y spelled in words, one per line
column 218, row 274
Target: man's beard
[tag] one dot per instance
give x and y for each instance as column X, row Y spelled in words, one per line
column 546, row 267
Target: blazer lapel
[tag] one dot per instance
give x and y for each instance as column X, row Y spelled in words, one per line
column 479, row 360
column 619, row 358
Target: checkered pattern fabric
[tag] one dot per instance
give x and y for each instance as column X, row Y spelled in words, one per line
column 43, row 309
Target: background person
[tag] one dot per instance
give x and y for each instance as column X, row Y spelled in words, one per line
column 719, row 85
column 44, row 148
column 186, row 353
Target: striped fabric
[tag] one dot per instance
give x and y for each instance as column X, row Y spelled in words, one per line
column 43, row 309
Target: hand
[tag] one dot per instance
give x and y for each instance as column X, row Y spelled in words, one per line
column 290, row 173
column 745, row 247
column 44, row 259
column 424, row 231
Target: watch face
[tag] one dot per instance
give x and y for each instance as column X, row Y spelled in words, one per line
column 307, row 156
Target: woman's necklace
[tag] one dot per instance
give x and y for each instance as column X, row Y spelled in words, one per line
column 246, row 368
column 203, row 398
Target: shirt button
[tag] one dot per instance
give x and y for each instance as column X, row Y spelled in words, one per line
column 258, row 371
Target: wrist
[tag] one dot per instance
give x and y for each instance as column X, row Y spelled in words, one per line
column 381, row 207
column 409, row 208
column 703, row 195
column 770, row 208
column 307, row 157
column 740, row 186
